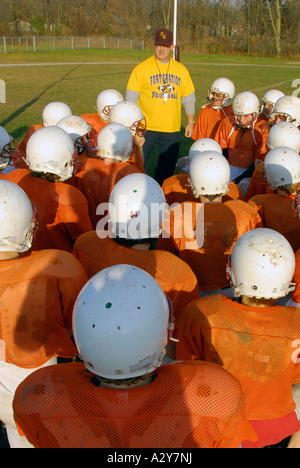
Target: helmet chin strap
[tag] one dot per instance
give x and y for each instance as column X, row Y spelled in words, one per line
column 17, row 247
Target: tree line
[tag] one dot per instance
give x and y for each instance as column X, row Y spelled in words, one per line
column 244, row 27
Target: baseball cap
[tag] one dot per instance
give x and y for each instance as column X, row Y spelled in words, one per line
column 163, row 37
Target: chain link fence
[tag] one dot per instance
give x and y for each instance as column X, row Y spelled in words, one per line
column 42, row 43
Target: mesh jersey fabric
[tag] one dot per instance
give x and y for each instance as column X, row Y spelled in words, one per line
column 208, row 121
column 95, row 121
column 193, row 404
column 244, row 146
column 256, row 345
column 37, row 297
column 277, row 213
column 173, row 275
column 222, row 224
column 97, row 180
column 177, row 189
column 62, row 210
column 258, row 184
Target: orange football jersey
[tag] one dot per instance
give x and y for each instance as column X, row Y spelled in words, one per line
column 38, row 292
column 243, row 146
column 203, row 235
column 97, row 180
column 188, row 404
column 173, row 275
column 277, row 213
column 62, row 210
column 95, row 121
column 208, row 121
column 259, row 346
column 258, row 184
column 177, row 189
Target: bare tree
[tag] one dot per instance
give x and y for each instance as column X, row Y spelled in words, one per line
column 276, row 24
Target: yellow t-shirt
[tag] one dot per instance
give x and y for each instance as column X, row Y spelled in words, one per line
column 161, row 87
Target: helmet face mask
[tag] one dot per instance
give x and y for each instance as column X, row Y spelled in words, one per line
column 106, row 100
column 17, row 218
column 82, row 134
column 221, row 93
column 245, row 110
column 129, row 114
column 138, row 128
column 9, row 151
column 287, row 109
column 268, row 101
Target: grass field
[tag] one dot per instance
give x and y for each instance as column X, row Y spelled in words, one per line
column 77, row 77
column 82, row 74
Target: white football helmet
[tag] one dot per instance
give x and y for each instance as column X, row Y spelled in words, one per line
column 262, row 265
column 129, row 114
column 209, row 174
column 115, row 142
column 204, row 144
column 282, row 167
column 51, row 150
column 224, row 87
column 137, row 207
column 106, row 100
column 243, row 104
column 268, row 100
column 54, row 112
column 120, row 323
column 284, row 134
column 9, row 152
column 288, row 107
column 17, row 218
column 82, row 134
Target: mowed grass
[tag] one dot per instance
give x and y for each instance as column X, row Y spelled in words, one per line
column 82, row 74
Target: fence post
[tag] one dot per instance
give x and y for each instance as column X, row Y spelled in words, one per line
column 33, row 41
column 54, row 43
column 72, row 43
column 4, row 44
